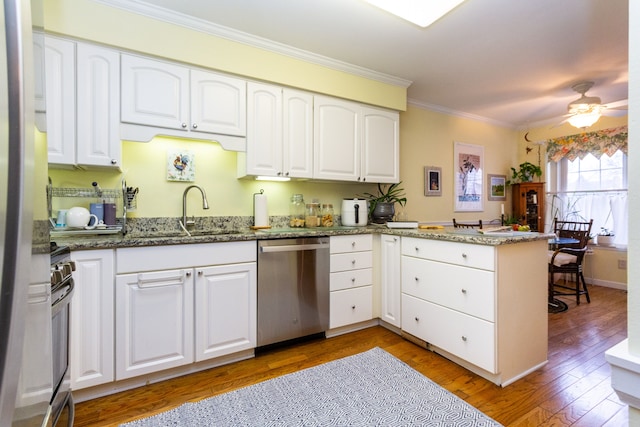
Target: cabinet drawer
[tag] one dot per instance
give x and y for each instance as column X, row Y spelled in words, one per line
column 351, row 279
column 351, row 261
column 350, row 306
column 467, row 337
column 464, row 289
column 465, row 254
column 152, row 258
column 352, row 243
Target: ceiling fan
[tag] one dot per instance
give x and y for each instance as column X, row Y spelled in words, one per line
column 586, row 110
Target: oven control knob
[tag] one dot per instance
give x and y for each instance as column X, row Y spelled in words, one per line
column 68, row 268
column 56, row 277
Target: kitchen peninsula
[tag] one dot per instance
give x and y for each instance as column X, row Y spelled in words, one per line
column 478, row 300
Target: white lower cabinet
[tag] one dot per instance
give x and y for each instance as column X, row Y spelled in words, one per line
column 154, row 321
column 91, row 356
column 202, row 307
column 351, row 280
column 475, row 305
column 226, row 310
column 390, row 301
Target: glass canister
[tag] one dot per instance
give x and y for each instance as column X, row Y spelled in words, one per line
column 296, row 211
column 326, row 215
column 312, row 215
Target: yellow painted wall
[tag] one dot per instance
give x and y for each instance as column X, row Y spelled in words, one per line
column 427, row 139
column 601, row 267
column 115, row 27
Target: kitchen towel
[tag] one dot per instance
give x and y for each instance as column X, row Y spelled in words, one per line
column 261, row 217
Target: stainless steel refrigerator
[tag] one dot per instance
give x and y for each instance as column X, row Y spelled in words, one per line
column 18, row 266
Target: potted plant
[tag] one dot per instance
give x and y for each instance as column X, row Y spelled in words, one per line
column 525, row 174
column 605, row 237
column 382, row 205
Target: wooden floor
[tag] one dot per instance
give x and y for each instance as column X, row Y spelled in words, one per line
column 573, row 389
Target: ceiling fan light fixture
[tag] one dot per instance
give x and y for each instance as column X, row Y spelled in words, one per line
column 584, row 120
column 420, row 12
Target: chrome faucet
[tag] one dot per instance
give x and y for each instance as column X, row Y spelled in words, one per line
column 205, row 205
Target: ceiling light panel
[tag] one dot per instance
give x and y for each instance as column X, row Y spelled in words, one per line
column 420, row 12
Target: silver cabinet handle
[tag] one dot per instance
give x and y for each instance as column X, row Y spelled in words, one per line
column 417, row 319
column 464, row 255
column 464, row 338
column 353, row 307
column 184, row 125
column 195, row 126
column 353, row 279
column 464, row 291
column 114, row 162
column 293, row 248
column 188, row 274
column 200, row 273
column 417, row 279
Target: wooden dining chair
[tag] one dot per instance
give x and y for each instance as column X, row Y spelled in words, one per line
column 568, row 259
column 467, row 224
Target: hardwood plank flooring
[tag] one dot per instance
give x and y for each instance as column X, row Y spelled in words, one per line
column 573, row 389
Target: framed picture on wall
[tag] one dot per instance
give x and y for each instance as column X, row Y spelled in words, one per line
column 496, row 187
column 468, row 171
column 432, row 181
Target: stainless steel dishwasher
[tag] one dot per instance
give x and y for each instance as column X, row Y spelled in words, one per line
column 293, row 288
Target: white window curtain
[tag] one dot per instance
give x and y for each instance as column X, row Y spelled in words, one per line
column 607, row 209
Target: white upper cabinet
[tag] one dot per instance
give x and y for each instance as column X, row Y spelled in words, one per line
column 161, row 98
column 297, row 133
column 98, row 103
column 82, row 97
column 279, row 133
column 60, row 81
column 218, row 104
column 337, row 139
column 381, row 145
column 353, row 142
column 154, row 93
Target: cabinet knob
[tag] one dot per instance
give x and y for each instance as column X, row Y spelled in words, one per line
column 353, row 262
column 195, row 126
column 353, row 307
column 364, row 179
column 464, row 338
column 188, row 274
column 464, row 255
column 416, row 278
column 417, row 319
column 184, row 125
column 353, row 280
column 287, row 174
column 279, row 173
column 353, row 244
column 417, row 249
column 464, row 291
column 200, row 272
column 114, row 162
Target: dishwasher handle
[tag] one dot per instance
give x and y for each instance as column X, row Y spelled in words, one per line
column 294, row 248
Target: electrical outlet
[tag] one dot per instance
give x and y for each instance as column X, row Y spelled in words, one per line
column 622, row 264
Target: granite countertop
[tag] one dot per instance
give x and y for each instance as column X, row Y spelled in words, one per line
column 158, row 238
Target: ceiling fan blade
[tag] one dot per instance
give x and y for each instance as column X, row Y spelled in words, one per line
column 623, row 103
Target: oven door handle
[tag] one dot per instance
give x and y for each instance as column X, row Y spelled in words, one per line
column 60, row 304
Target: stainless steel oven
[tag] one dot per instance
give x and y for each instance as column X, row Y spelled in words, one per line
column 62, row 286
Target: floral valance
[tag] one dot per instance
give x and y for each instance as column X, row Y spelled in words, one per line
column 606, row 141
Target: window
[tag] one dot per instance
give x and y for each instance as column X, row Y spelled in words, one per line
column 591, row 188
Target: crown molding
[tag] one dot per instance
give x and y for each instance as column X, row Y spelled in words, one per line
column 450, row 112
column 197, row 24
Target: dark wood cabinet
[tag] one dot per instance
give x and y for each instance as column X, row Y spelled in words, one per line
column 528, row 204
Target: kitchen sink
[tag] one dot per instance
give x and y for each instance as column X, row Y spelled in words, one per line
column 180, row 233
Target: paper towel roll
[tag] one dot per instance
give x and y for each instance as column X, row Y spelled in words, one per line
column 261, row 217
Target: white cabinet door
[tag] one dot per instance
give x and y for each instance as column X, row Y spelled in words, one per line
column 154, row 321
column 226, row 310
column 39, row 72
column 337, row 139
column 218, row 104
column 390, row 279
column 154, row 93
column 297, row 137
column 264, row 130
column 91, row 356
column 98, row 100
column 60, row 81
column 381, row 145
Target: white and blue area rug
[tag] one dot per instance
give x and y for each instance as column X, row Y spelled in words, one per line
column 367, row 389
